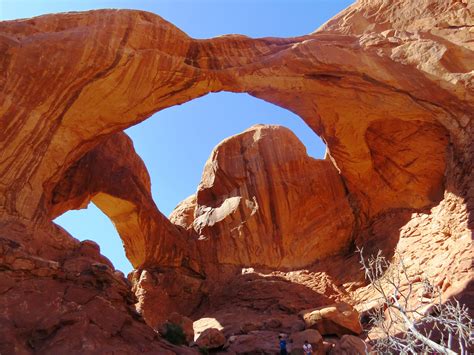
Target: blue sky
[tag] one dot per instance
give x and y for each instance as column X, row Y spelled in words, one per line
column 176, row 142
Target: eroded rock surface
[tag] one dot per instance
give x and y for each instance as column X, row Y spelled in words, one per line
column 263, row 201
column 114, row 178
column 76, row 303
column 387, row 85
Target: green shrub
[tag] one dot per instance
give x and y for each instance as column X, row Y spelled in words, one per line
column 174, row 334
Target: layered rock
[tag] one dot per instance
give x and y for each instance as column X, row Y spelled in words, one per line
column 263, row 201
column 76, row 303
column 106, row 87
column 387, row 85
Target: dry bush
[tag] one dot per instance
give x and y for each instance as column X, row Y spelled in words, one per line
column 412, row 318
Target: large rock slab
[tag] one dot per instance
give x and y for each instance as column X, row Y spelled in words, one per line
column 351, row 345
column 211, row 338
column 337, row 319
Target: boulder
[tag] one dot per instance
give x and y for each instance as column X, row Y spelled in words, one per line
column 257, row 342
column 248, row 327
column 350, row 345
column 338, row 319
column 211, row 338
column 201, row 325
column 244, row 201
column 272, row 323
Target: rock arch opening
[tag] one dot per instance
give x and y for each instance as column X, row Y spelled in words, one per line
column 92, row 224
column 175, row 146
column 176, row 143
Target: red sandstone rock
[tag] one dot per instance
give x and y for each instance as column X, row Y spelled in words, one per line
column 386, row 84
column 258, row 189
column 161, row 293
column 211, row 338
column 313, row 337
column 337, row 319
column 258, row 342
column 51, row 307
column 350, row 345
column 115, row 178
column 185, row 323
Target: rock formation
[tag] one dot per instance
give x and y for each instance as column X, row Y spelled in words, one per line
column 115, row 178
column 387, row 85
column 263, row 202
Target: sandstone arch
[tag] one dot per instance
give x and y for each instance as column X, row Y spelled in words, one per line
column 70, row 82
column 115, row 179
column 304, row 74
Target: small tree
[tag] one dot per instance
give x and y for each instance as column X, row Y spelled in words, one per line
column 407, row 325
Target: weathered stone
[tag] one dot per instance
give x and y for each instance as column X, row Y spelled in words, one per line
column 337, row 319
column 185, row 323
column 260, row 188
column 258, row 342
column 386, row 84
column 350, row 345
column 211, row 338
column 312, row 336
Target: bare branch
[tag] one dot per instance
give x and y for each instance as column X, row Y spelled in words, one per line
column 400, row 310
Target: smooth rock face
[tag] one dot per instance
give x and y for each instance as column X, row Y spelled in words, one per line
column 106, row 87
column 263, row 201
column 386, row 84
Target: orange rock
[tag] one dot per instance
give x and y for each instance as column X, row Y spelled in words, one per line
column 161, row 293
column 263, row 201
column 66, row 311
column 123, row 193
column 185, row 323
column 313, row 337
column 337, row 319
column 211, row 338
column 386, row 84
column 351, row 345
column 309, row 75
column 258, row 342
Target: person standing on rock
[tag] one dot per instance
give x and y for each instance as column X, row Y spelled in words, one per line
column 283, row 350
column 307, row 348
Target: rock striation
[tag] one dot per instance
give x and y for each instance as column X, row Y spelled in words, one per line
column 387, row 85
column 262, row 201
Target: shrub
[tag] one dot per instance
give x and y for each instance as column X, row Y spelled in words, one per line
column 174, row 334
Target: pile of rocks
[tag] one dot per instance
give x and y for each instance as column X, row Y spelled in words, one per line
column 331, row 329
